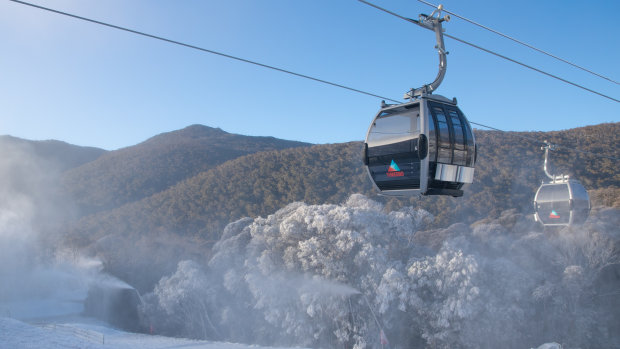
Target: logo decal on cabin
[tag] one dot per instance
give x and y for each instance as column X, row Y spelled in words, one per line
column 554, row 214
column 394, row 170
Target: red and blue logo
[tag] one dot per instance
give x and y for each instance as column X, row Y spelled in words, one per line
column 554, row 214
column 394, row 170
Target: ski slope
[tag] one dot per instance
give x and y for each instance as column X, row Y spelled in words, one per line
column 15, row 334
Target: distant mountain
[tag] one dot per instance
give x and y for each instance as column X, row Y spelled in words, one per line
column 62, row 156
column 187, row 218
column 251, row 185
column 148, row 206
column 139, row 171
column 508, row 172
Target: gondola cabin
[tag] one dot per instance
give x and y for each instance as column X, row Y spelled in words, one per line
column 562, row 202
column 422, row 147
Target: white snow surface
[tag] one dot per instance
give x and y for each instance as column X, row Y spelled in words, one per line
column 85, row 333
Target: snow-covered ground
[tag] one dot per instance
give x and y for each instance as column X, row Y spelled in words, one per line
column 57, row 323
column 87, row 333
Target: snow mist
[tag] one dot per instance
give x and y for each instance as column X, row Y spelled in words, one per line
column 39, row 279
column 27, row 198
column 340, row 275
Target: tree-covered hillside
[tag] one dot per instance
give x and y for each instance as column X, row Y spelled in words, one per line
column 508, row 172
column 251, row 185
column 139, row 171
column 59, row 155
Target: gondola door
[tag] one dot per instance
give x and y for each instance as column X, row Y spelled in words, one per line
column 392, row 153
column 553, row 204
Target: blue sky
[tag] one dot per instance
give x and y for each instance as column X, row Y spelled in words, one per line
column 90, row 85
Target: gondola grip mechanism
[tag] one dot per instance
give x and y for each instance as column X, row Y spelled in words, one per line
column 433, row 22
column 548, row 146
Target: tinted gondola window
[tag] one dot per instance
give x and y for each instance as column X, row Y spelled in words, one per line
column 557, row 213
column 580, row 203
column 432, row 140
column 579, row 192
column 459, row 137
column 553, row 203
column 460, row 147
column 391, row 149
column 392, row 153
column 444, row 154
column 471, row 148
column 553, row 193
column 392, row 127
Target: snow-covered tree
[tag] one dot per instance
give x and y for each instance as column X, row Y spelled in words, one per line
column 183, row 298
column 337, row 275
column 309, row 269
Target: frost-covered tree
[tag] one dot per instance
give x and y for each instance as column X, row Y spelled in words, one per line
column 336, row 275
column 310, row 268
column 437, row 293
column 183, row 298
column 510, row 287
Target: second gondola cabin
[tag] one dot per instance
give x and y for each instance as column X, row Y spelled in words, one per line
column 561, row 202
column 422, row 147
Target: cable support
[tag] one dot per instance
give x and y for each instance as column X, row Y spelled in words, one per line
column 202, row 49
column 283, row 70
column 495, row 53
column 522, row 43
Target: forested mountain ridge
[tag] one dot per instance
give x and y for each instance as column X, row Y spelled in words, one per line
column 252, row 185
column 60, row 155
column 508, row 171
column 185, row 220
column 181, row 188
column 130, row 174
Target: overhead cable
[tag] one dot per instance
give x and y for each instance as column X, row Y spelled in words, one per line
column 530, row 67
column 521, row 43
column 279, row 69
column 202, row 49
column 495, row 53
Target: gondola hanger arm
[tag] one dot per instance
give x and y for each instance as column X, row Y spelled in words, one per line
column 433, row 22
column 548, row 146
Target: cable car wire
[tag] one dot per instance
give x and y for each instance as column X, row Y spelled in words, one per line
column 495, row 53
column 532, row 68
column 522, row 43
column 279, row 69
column 202, row 49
